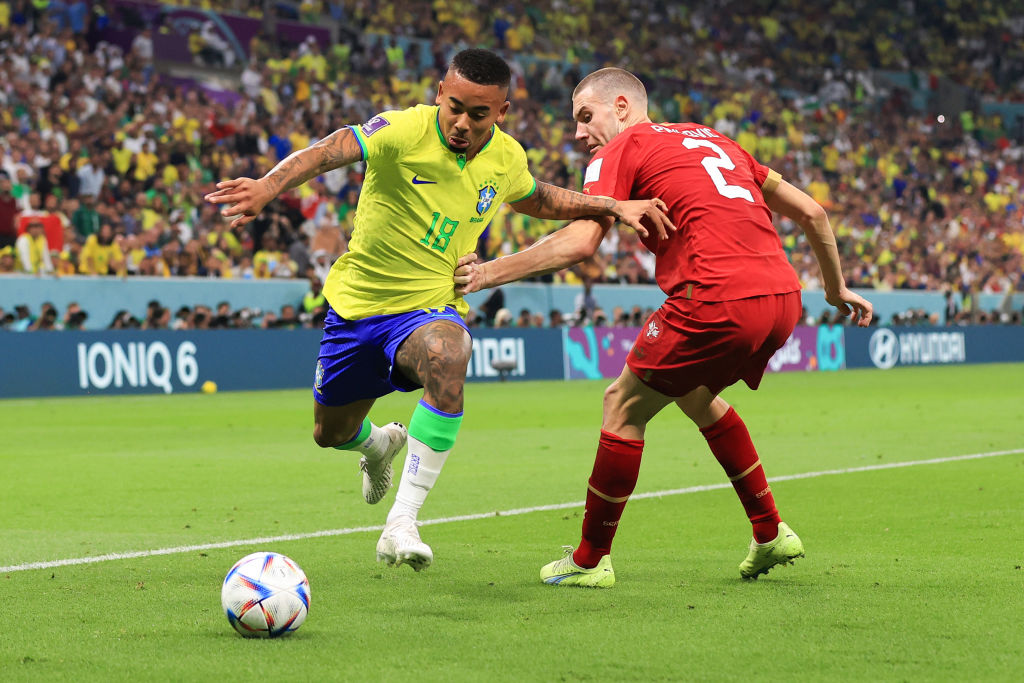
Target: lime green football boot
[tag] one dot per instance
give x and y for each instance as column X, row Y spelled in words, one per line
column 763, row 556
column 565, row 572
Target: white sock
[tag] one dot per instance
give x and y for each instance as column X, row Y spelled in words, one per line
column 422, row 466
column 376, row 444
column 373, row 446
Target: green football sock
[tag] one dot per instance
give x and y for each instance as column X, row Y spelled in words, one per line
column 434, row 427
column 362, row 435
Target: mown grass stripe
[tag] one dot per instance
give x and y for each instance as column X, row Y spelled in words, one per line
column 479, row 515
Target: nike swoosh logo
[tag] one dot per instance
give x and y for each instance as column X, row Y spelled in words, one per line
column 416, row 180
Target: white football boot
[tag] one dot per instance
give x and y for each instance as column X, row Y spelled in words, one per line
column 377, row 472
column 400, row 544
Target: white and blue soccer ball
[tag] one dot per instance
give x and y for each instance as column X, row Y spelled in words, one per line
column 265, row 595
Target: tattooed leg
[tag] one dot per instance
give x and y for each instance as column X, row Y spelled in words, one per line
column 436, row 356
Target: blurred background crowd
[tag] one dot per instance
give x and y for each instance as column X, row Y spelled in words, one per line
column 104, row 156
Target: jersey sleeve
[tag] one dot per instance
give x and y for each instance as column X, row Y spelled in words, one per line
column 611, row 172
column 388, row 134
column 522, row 184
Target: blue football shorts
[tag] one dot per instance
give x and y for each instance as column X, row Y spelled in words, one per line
column 357, row 357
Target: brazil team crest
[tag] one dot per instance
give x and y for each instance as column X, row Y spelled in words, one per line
column 486, row 196
column 318, row 379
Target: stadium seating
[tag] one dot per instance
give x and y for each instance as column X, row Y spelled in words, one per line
column 101, row 129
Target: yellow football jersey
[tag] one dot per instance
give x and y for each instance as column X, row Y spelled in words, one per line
column 422, row 207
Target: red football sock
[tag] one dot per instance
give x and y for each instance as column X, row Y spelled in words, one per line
column 614, row 477
column 730, row 442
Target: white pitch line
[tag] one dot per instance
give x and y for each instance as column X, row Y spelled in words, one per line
column 480, row 515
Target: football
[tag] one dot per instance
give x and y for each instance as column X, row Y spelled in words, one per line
column 265, row 595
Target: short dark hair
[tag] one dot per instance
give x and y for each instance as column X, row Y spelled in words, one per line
column 483, row 67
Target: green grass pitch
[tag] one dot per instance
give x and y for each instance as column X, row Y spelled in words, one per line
column 912, row 573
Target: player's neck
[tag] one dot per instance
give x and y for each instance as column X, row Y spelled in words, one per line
column 633, row 120
column 470, row 154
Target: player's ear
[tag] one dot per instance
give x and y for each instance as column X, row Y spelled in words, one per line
column 440, row 92
column 621, row 107
column 502, row 111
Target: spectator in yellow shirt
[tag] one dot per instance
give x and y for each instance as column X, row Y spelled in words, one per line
column 65, row 263
column 150, row 217
column 101, row 254
column 271, row 262
column 122, row 158
column 218, row 265
column 819, row 190
column 7, row 262
column 145, row 164
column 314, row 61
column 33, row 250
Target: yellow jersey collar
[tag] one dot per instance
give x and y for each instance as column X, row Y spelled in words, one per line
column 460, row 158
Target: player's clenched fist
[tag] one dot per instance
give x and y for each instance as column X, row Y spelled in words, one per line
column 246, row 198
column 469, row 275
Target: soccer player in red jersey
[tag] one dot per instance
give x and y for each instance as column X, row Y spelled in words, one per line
column 733, row 300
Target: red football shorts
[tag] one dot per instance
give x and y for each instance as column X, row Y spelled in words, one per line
column 686, row 344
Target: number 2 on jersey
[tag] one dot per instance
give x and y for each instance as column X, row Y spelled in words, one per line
column 714, row 168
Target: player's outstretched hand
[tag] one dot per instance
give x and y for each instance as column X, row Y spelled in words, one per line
column 848, row 302
column 632, row 212
column 469, row 275
column 246, row 198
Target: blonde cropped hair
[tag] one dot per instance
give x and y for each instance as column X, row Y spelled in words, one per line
column 611, row 82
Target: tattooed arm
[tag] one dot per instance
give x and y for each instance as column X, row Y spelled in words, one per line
column 338, row 149
column 247, row 197
column 556, row 203
column 561, row 249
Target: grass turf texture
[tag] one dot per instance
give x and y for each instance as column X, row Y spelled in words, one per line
column 911, row 574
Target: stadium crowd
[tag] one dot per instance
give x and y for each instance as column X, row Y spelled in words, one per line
column 103, row 162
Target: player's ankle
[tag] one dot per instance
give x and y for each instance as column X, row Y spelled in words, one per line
column 766, row 531
column 400, row 510
column 587, row 557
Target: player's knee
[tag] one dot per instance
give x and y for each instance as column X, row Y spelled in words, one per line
column 329, row 436
column 445, row 376
column 448, row 371
column 321, row 438
column 702, row 407
column 445, row 394
column 615, row 408
column 613, row 397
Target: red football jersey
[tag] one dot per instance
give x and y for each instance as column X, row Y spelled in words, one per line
column 726, row 247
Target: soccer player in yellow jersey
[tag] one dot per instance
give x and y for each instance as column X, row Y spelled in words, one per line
column 435, row 177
